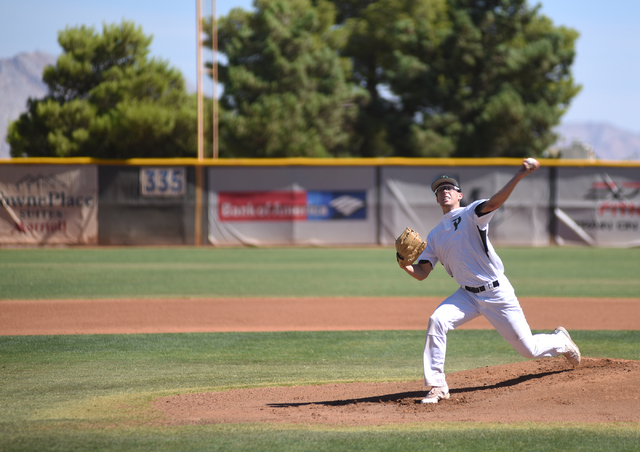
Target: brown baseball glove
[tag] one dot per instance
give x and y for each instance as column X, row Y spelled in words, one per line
column 408, row 247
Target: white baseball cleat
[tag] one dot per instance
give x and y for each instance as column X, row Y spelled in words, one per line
column 573, row 352
column 436, row 394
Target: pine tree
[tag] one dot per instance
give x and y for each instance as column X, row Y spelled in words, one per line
column 107, row 99
column 285, row 92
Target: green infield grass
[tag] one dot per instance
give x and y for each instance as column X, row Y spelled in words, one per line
column 294, row 272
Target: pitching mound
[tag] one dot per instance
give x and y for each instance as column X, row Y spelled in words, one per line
column 546, row 390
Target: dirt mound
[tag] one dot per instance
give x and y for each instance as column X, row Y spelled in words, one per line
column 546, row 390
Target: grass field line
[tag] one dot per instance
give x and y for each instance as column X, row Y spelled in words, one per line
column 187, row 265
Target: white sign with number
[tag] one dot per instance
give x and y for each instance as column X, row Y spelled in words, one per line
column 163, row 181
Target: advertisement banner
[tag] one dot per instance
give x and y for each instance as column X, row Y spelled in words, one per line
column 262, row 206
column 292, row 206
column 48, row 204
column 329, row 205
column 598, row 207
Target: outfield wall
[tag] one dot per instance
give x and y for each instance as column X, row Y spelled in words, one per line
column 312, row 202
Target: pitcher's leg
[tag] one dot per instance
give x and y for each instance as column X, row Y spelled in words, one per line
column 452, row 312
column 509, row 320
column 540, row 345
column 435, row 349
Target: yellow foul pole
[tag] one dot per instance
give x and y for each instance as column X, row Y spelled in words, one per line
column 214, row 74
column 198, row 206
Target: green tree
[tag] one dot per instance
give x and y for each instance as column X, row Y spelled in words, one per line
column 285, row 92
column 107, row 99
column 458, row 77
column 377, row 34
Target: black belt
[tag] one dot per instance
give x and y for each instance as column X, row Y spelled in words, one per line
column 491, row 285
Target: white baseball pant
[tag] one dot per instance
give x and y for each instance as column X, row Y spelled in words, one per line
column 502, row 309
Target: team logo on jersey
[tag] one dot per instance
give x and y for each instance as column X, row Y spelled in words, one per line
column 456, row 222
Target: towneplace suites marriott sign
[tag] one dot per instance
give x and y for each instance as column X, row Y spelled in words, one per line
column 48, row 204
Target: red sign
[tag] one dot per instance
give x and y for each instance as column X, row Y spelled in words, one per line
column 262, row 206
column 621, row 208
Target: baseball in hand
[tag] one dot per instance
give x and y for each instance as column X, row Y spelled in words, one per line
column 531, row 163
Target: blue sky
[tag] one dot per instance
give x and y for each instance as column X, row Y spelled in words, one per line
column 607, row 62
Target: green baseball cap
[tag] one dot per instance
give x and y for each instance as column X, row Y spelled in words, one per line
column 444, row 179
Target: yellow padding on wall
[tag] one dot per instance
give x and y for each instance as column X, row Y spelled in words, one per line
column 302, row 161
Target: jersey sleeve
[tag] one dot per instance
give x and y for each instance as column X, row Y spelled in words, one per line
column 429, row 253
column 481, row 219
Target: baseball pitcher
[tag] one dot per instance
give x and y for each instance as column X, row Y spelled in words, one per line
column 460, row 242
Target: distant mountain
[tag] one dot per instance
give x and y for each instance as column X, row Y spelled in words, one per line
column 20, row 78
column 607, row 141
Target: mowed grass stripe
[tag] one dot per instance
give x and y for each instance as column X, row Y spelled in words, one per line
column 296, row 272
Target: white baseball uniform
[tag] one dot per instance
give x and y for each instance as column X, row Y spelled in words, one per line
column 460, row 242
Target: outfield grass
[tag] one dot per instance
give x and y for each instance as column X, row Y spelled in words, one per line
column 68, row 392
column 291, row 272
